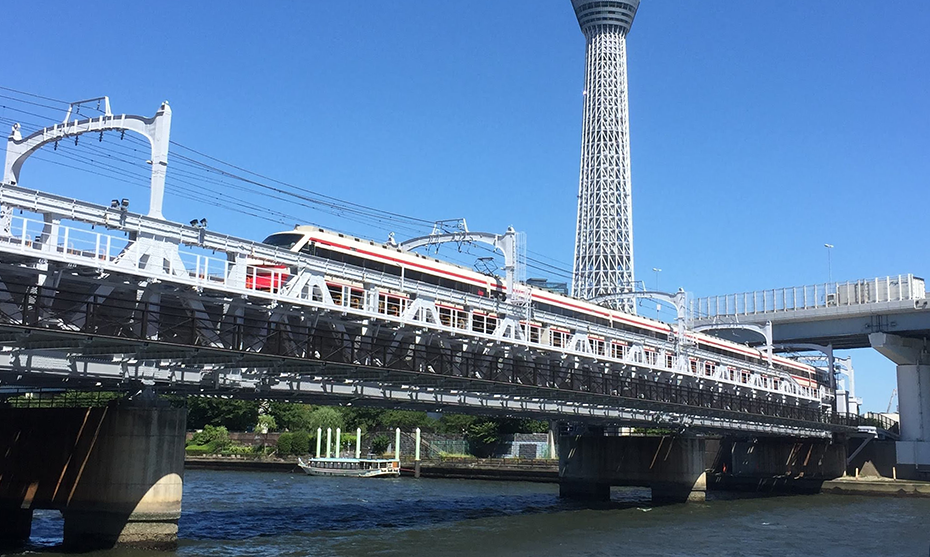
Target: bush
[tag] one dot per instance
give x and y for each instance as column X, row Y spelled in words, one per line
column 285, row 444
column 300, row 443
column 237, row 449
column 197, row 450
column 215, row 438
column 379, row 443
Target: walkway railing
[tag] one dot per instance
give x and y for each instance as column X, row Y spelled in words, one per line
column 869, row 419
column 893, row 288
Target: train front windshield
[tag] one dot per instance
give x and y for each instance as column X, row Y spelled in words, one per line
column 286, row 241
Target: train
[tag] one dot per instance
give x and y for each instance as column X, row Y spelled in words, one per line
column 552, row 319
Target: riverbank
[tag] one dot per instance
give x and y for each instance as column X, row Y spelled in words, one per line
column 525, row 470
column 500, row 469
column 876, row 486
column 510, row 469
column 241, row 464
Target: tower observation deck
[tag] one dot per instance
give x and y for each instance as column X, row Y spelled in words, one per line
column 603, row 264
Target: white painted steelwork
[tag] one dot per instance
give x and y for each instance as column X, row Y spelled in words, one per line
column 156, row 129
column 603, row 263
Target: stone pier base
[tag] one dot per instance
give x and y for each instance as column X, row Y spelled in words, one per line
column 115, row 473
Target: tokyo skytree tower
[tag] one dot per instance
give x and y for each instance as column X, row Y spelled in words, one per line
column 604, row 236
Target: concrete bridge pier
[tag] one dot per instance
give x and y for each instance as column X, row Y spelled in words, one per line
column 774, row 464
column 115, row 473
column 673, row 467
column 912, row 357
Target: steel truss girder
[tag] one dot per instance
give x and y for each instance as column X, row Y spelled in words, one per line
column 399, row 390
column 181, row 358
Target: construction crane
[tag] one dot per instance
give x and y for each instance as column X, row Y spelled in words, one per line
column 894, row 392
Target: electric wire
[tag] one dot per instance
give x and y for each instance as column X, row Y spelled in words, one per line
column 196, row 176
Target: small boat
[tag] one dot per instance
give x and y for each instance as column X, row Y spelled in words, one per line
column 350, row 467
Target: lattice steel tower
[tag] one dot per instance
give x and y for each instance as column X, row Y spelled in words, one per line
column 604, row 235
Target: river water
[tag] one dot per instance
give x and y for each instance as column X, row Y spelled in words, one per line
column 252, row 513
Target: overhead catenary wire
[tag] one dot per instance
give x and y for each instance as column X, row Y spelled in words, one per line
column 198, row 176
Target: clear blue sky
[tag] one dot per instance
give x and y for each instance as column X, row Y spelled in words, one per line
column 759, row 131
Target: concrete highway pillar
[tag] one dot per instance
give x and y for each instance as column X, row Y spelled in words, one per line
column 913, row 370
column 115, row 473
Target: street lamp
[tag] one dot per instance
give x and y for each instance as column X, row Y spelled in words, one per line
column 657, row 270
column 829, row 262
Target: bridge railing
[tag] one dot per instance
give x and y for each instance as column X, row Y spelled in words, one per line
column 893, row 288
column 869, row 419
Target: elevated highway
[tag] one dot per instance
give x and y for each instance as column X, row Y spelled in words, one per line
column 890, row 314
column 841, row 314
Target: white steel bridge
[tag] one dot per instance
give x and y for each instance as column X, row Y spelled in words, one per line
column 99, row 297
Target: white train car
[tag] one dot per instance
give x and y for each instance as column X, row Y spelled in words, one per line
column 783, row 376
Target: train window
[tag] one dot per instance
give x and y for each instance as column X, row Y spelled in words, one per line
column 479, row 323
column 445, row 316
column 335, row 290
column 394, row 305
column 694, row 367
column 709, row 368
column 669, row 361
column 356, row 298
column 285, row 240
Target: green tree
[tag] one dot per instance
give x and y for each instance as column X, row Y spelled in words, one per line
column 266, row 423
column 234, row 415
column 300, row 445
column 483, row 436
column 285, row 443
column 379, row 443
column 455, row 424
column 325, row 417
column 521, row 425
column 366, row 419
column 291, row 416
column 407, row 420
